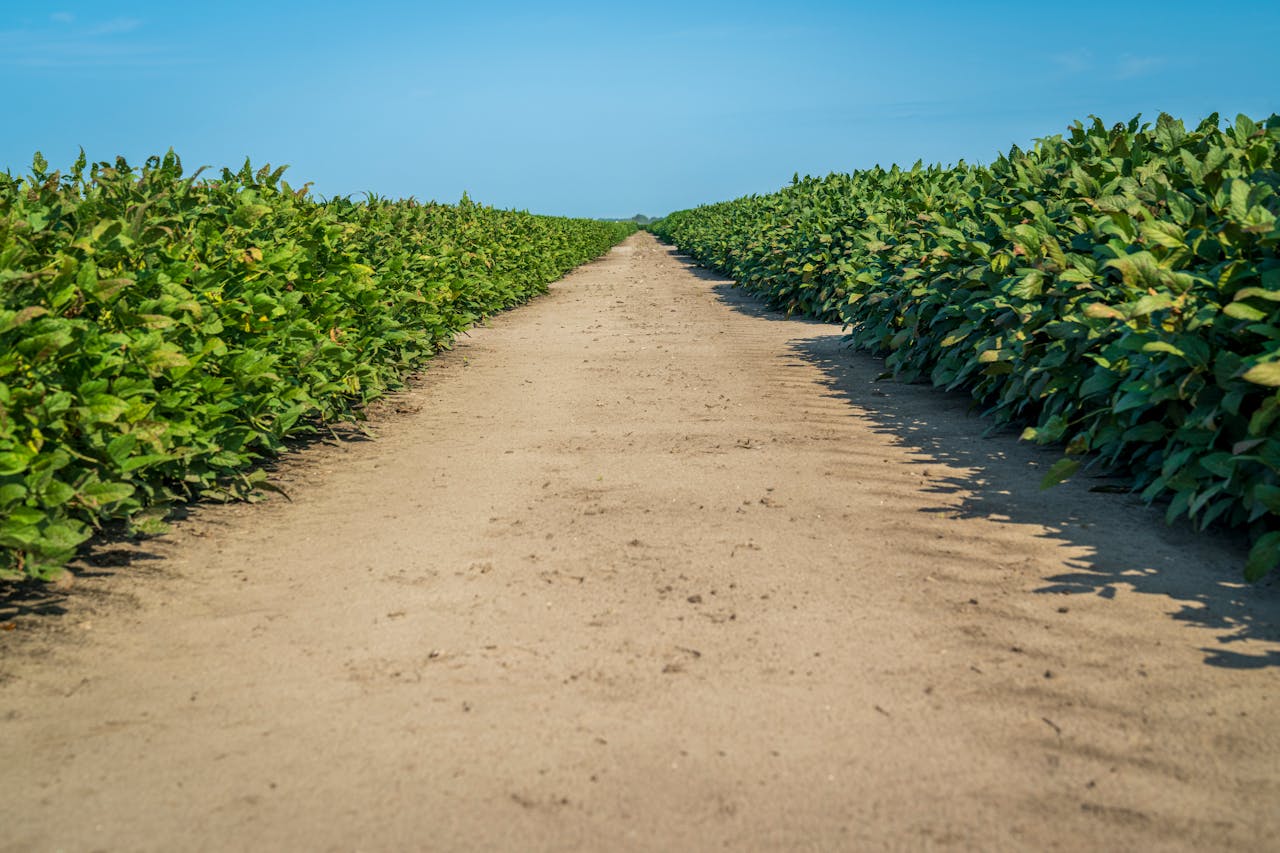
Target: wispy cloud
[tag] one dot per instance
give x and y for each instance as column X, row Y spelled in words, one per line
column 1074, row 62
column 71, row 43
column 738, row 33
column 1138, row 66
column 1126, row 67
column 116, row 26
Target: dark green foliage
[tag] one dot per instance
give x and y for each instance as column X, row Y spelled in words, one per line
column 1118, row 290
column 160, row 334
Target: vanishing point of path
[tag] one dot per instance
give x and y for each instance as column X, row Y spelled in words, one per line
column 645, row 566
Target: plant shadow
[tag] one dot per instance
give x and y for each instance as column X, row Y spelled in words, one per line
column 109, row 552
column 29, row 598
column 114, row 550
column 1126, row 544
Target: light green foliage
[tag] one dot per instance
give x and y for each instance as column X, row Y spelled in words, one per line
column 160, row 334
column 1118, row 290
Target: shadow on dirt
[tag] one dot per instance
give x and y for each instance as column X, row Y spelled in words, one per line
column 23, row 599
column 114, row 549
column 741, row 300
column 107, row 554
column 1128, row 544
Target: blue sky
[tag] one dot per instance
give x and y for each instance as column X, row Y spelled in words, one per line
column 606, row 109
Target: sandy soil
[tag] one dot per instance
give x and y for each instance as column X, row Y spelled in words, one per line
column 645, row 566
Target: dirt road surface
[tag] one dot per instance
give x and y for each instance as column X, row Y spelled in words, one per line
column 645, row 566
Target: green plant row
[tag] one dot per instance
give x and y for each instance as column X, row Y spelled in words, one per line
column 1117, row 289
column 161, row 334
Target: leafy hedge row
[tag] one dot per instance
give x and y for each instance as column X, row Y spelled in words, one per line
column 160, row 334
column 1119, row 289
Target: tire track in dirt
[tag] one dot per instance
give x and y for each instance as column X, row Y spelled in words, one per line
column 646, row 566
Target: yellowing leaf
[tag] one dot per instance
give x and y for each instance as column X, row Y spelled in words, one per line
column 1267, row 373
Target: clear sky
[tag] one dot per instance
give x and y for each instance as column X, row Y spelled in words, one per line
column 600, row 108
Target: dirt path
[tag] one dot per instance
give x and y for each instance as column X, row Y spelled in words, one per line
column 643, row 566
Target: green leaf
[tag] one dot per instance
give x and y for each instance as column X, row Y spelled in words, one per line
column 165, row 357
column 1051, row 430
column 55, row 493
column 1139, row 269
column 1132, row 400
column 1030, row 286
column 120, row 447
column 21, row 318
column 104, row 290
column 57, row 539
column 15, row 461
column 1218, row 464
column 133, row 463
column 1239, row 207
column 1162, row 346
column 1061, row 470
column 1149, row 432
column 104, row 408
column 1099, row 382
column 1268, row 496
column 1149, row 304
column 1264, row 556
column 1244, row 311
column 21, row 537
column 40, row 347
column 150, row 525
column 101, row 494
column 1259, row 293
column 1164, row 233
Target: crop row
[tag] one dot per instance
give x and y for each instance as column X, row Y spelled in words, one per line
column 161, row 334
column 1116, row 289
